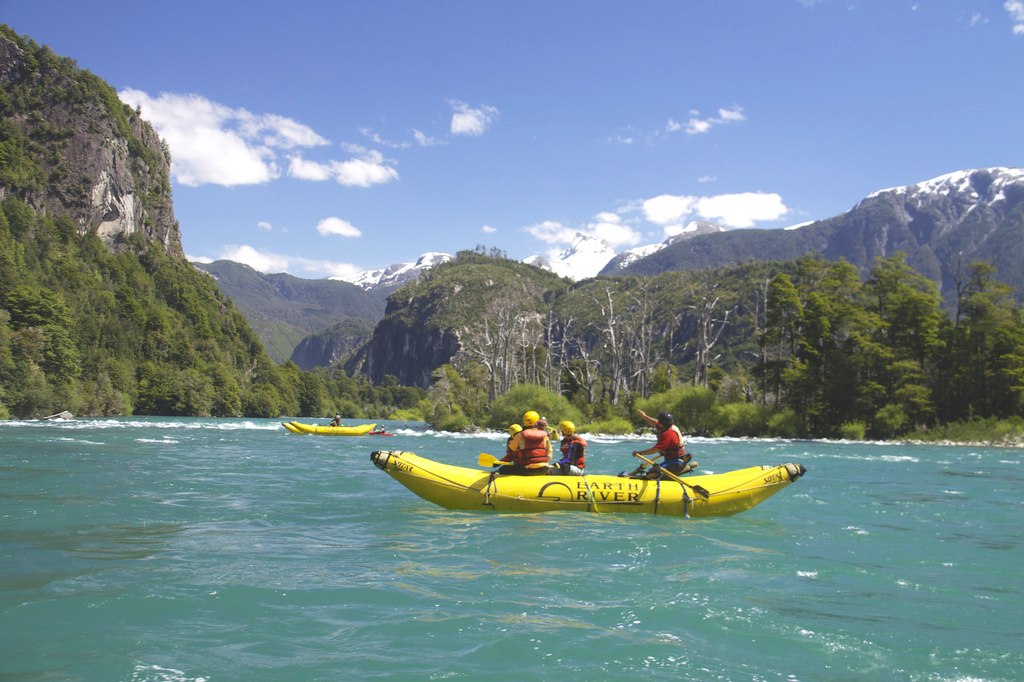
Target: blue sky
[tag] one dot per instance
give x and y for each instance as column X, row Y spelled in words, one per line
column 327, row 138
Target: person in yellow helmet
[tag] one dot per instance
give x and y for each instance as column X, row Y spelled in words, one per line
column 529, row 450
column 509, row 455
column 573, row 452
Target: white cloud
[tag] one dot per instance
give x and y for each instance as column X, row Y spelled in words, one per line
column 469, row 121
column 1016, row 10
column 610, row 228
column 266, row 262
column 343, row 270
column 337, row 226
column 377, row 139
column 308, row 170
column 551, row 232
column 257, row 260
column 606, row 226
column 697, row 125
column 265, row 226
column 488, row 229
column 731, row 210
column 214, row 144
column 667, row 209
column 367, row 169
column 741, row 210
column 198, row 259
column 370, row 169
column 620, row 139
column 425, row 140
column 734, row 114
column 278, row 131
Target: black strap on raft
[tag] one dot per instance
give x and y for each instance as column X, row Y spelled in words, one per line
column 657, row 495
column 487, row 492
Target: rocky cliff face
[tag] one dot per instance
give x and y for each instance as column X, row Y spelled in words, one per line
column 81, row 152
column 408, row 352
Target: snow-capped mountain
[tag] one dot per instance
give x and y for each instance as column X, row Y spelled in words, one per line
column 693, row 229
column 939, row 226
column 584, row 258
column 396, row 274
column 970, row 184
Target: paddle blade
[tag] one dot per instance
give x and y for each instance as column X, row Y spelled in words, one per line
column 486, row 460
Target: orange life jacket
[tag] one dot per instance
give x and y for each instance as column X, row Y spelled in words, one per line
column 533, row 450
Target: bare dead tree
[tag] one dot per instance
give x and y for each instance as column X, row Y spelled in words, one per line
column 643, row 357
column 489, row 342
column 613, row 343
column 584, row 372
column 958, row 280
column 761, row 332
column 709, row 330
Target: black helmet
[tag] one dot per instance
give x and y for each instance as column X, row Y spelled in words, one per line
column 665, row 419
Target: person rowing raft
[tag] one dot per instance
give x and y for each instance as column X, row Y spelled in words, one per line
column 669, row 446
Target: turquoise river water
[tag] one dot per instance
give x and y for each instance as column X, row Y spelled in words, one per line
column 217, row 549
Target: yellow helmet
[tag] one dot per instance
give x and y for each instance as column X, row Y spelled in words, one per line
column 530, row 418
column 514, row 429
column 567, row 428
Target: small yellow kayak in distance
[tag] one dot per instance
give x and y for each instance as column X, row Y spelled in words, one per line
column 313, row 429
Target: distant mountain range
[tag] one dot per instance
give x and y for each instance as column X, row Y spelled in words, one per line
column 968, row 215
column 285, row 311
column 395, row 275
column 971, row 215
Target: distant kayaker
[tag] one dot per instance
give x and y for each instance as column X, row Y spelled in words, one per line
column 336, row 421
column 573, row 452
column 529, row 450
column 669, row 445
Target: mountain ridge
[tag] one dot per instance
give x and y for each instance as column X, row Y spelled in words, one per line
column 970, row 215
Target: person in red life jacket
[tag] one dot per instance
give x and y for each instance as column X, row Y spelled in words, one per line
column 669, row 446
column 573, row 452
column 509, row 455
column 530, row 448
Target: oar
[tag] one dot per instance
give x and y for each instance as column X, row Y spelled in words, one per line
column 486, row 460
column 695, row 488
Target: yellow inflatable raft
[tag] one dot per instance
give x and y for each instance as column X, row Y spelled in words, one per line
column 361, row 430
column 455, row 487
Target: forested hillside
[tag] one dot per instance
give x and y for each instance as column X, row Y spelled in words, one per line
column 100, row 313
column 283, row 310
column 793, row 348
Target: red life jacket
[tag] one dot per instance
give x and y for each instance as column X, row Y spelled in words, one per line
column 533, row 449
column 673, row 447
column 579, row 451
